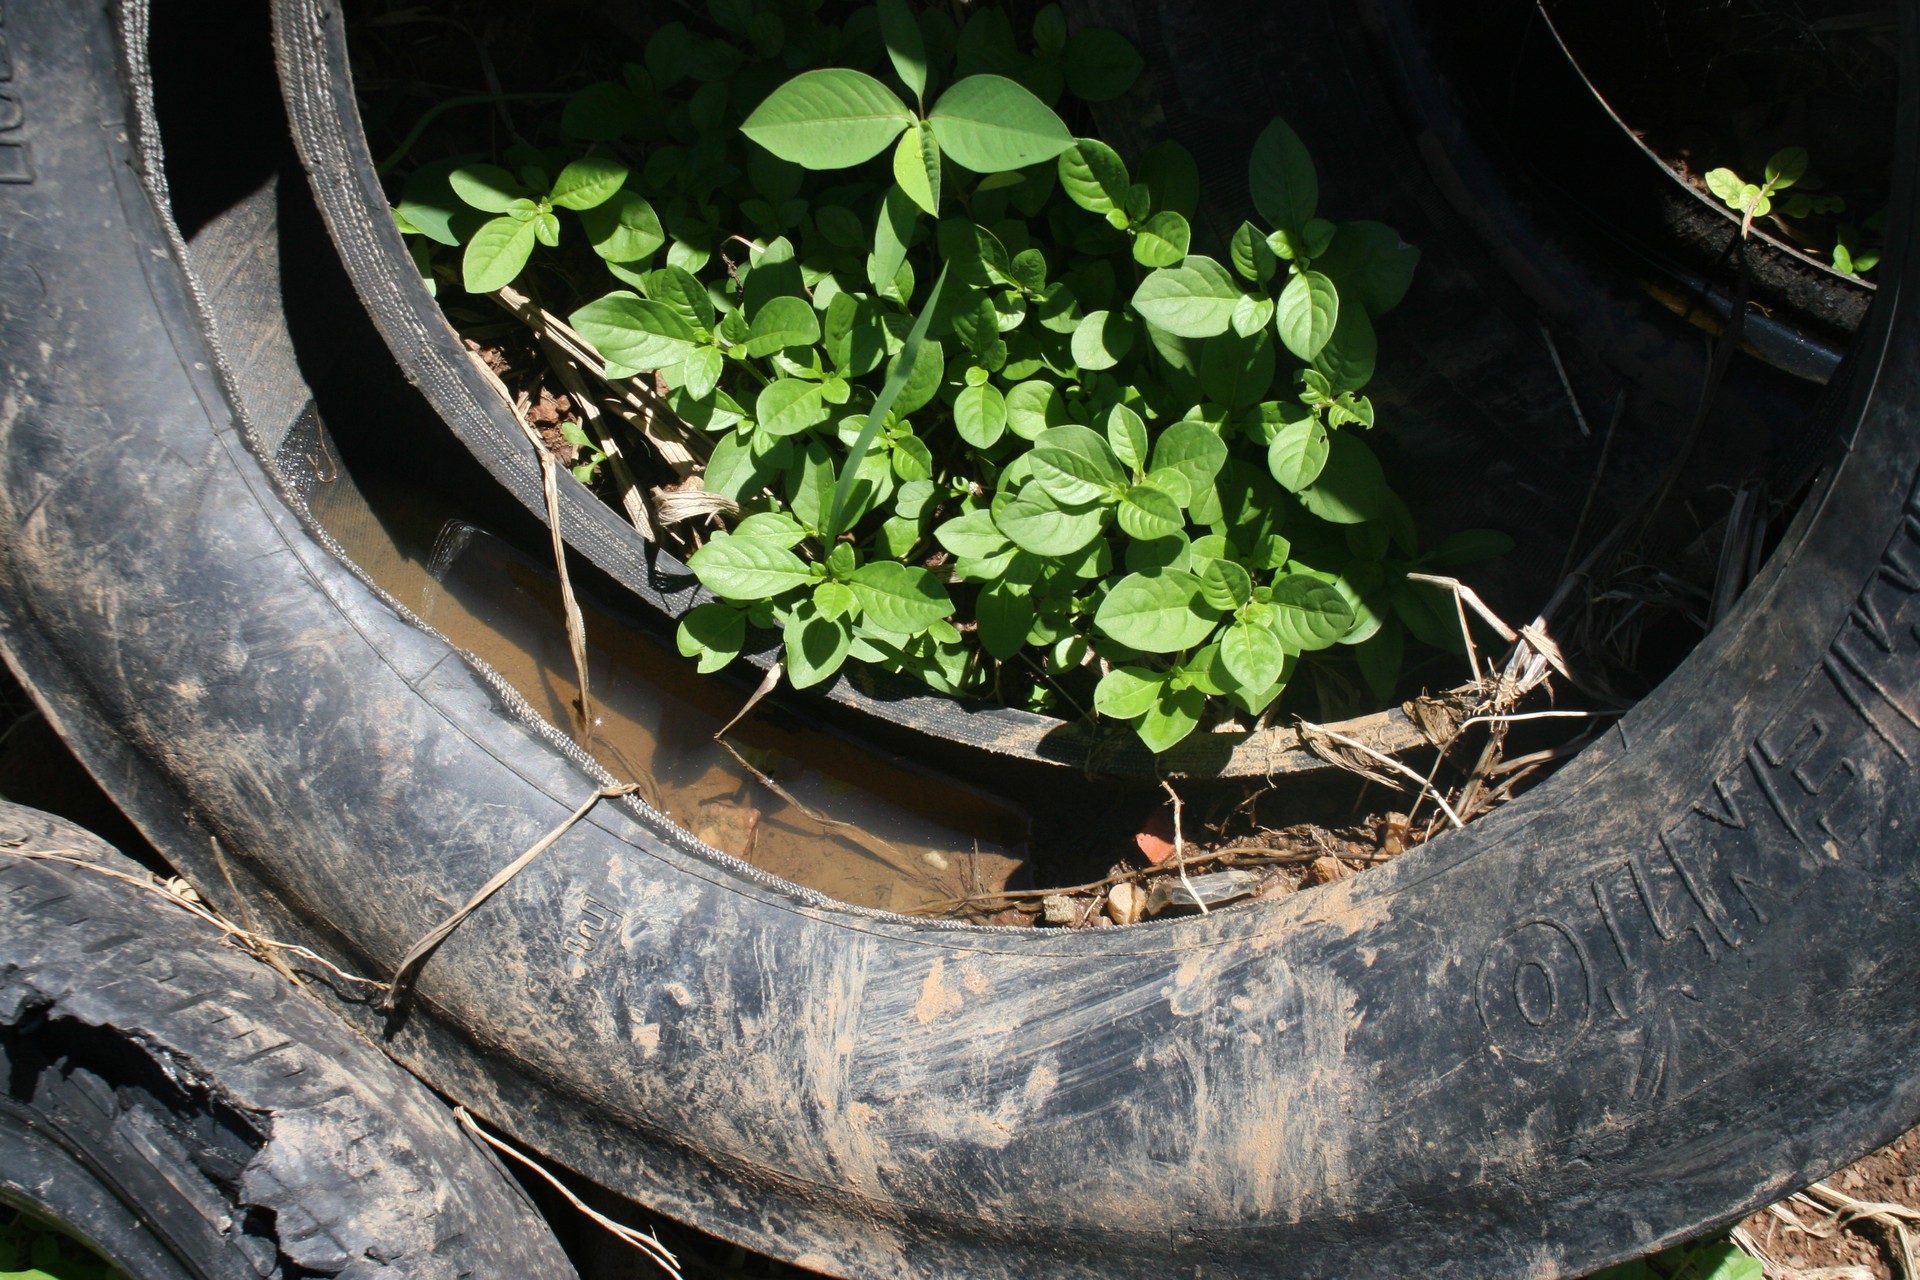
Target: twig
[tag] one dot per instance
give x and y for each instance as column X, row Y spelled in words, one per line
column 886, row 852
column 640, row 407
column 1566, row 383
column 1180, row 848
column 767, row 683
column 631, row 498
column 1599, row 471
column 409, row 967
column 1537, row 715
column 1426, row 788
column 550, row 487
column 246, row 938
column 645, row 1241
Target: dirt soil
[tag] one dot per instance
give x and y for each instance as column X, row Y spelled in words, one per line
column 1868, row 1246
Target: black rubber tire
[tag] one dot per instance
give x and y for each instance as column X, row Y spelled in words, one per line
column 1607, row 1016
column 193, row 1114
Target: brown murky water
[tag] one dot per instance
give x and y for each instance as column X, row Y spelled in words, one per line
column 842, row 821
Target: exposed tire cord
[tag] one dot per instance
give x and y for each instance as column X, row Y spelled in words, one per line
column 194, row 1112
column 1669, row 984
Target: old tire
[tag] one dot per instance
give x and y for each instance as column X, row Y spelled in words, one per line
column 193, row 1114
column 1612, row 1014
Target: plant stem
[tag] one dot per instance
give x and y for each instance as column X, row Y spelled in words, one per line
column 439, row 108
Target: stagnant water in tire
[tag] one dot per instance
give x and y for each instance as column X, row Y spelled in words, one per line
column 859, row 828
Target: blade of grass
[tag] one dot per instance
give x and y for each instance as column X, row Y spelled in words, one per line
column 888, row 394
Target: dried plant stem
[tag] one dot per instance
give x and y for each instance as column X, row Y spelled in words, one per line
column 637, row 404
column 247, row 939
column 1180, row 848
column 1426, row 787
column 632, row 500
column 645, row 1241
column 409, row 966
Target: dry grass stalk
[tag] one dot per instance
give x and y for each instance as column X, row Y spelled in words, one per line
column 645, row 1241
column 637, row 403
column 409, row 967
column 1309, row 731
column 1180, row 849
column 261, row 948
column 550, row 486
column 632, row 501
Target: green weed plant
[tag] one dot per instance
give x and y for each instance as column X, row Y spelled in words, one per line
column 991, row 419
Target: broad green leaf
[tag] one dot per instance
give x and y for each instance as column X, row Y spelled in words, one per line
column 1350, row 488
column 1036, row 523
column 1075, row 465
column 1101, row 64
column 1192, row 300
column 487, row 187
column 988, row 123
column 1192, row 448
column 636, row 332
column 816, row 646
column 922, row 381
column 733, row 471
column 1050, row 28
column 783, row 323
column 1004, row 616
column 898, row 598
column 809, row 490
column 1786, row 167
column 906, row 48
column 429, row 204
column 1285, row 187
column 495, row 254
column 1726, row 184
column 1102, row 340
column 546, row 229
column 772, row 526
column 1297, row 454
column 774, row 273
column 842, row 227
column 712, row 632
column 980, row 415
column 1127, row 692
column 1162, row 240
column 854, row 336
column 916, row 166
column 623, row 228
column 700, row 371
column 1168, row 170
column 1174, row 715
column 602, row 112
column 1308, row 613
column 1347, row 360
column 1128, row 436
column 740, row 568
column 834, row 599
column 1094, row 176
column 1160, row 611
column 1148, row 510
column 1251, row 315
column 1174, row 483
column 912, row 460
column 1032, row 407
column 973, row 536
column 1359, row 586
column 1369, row 264
column 1225, row 585
column 1306, row 313
column 831, row 118
column 588, row 182
column 1252, row 654
column 789, row 406
column 1236, row 371
column 1173, row 552
column 891, row 236
column 687, row 297
column 1252, row 256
